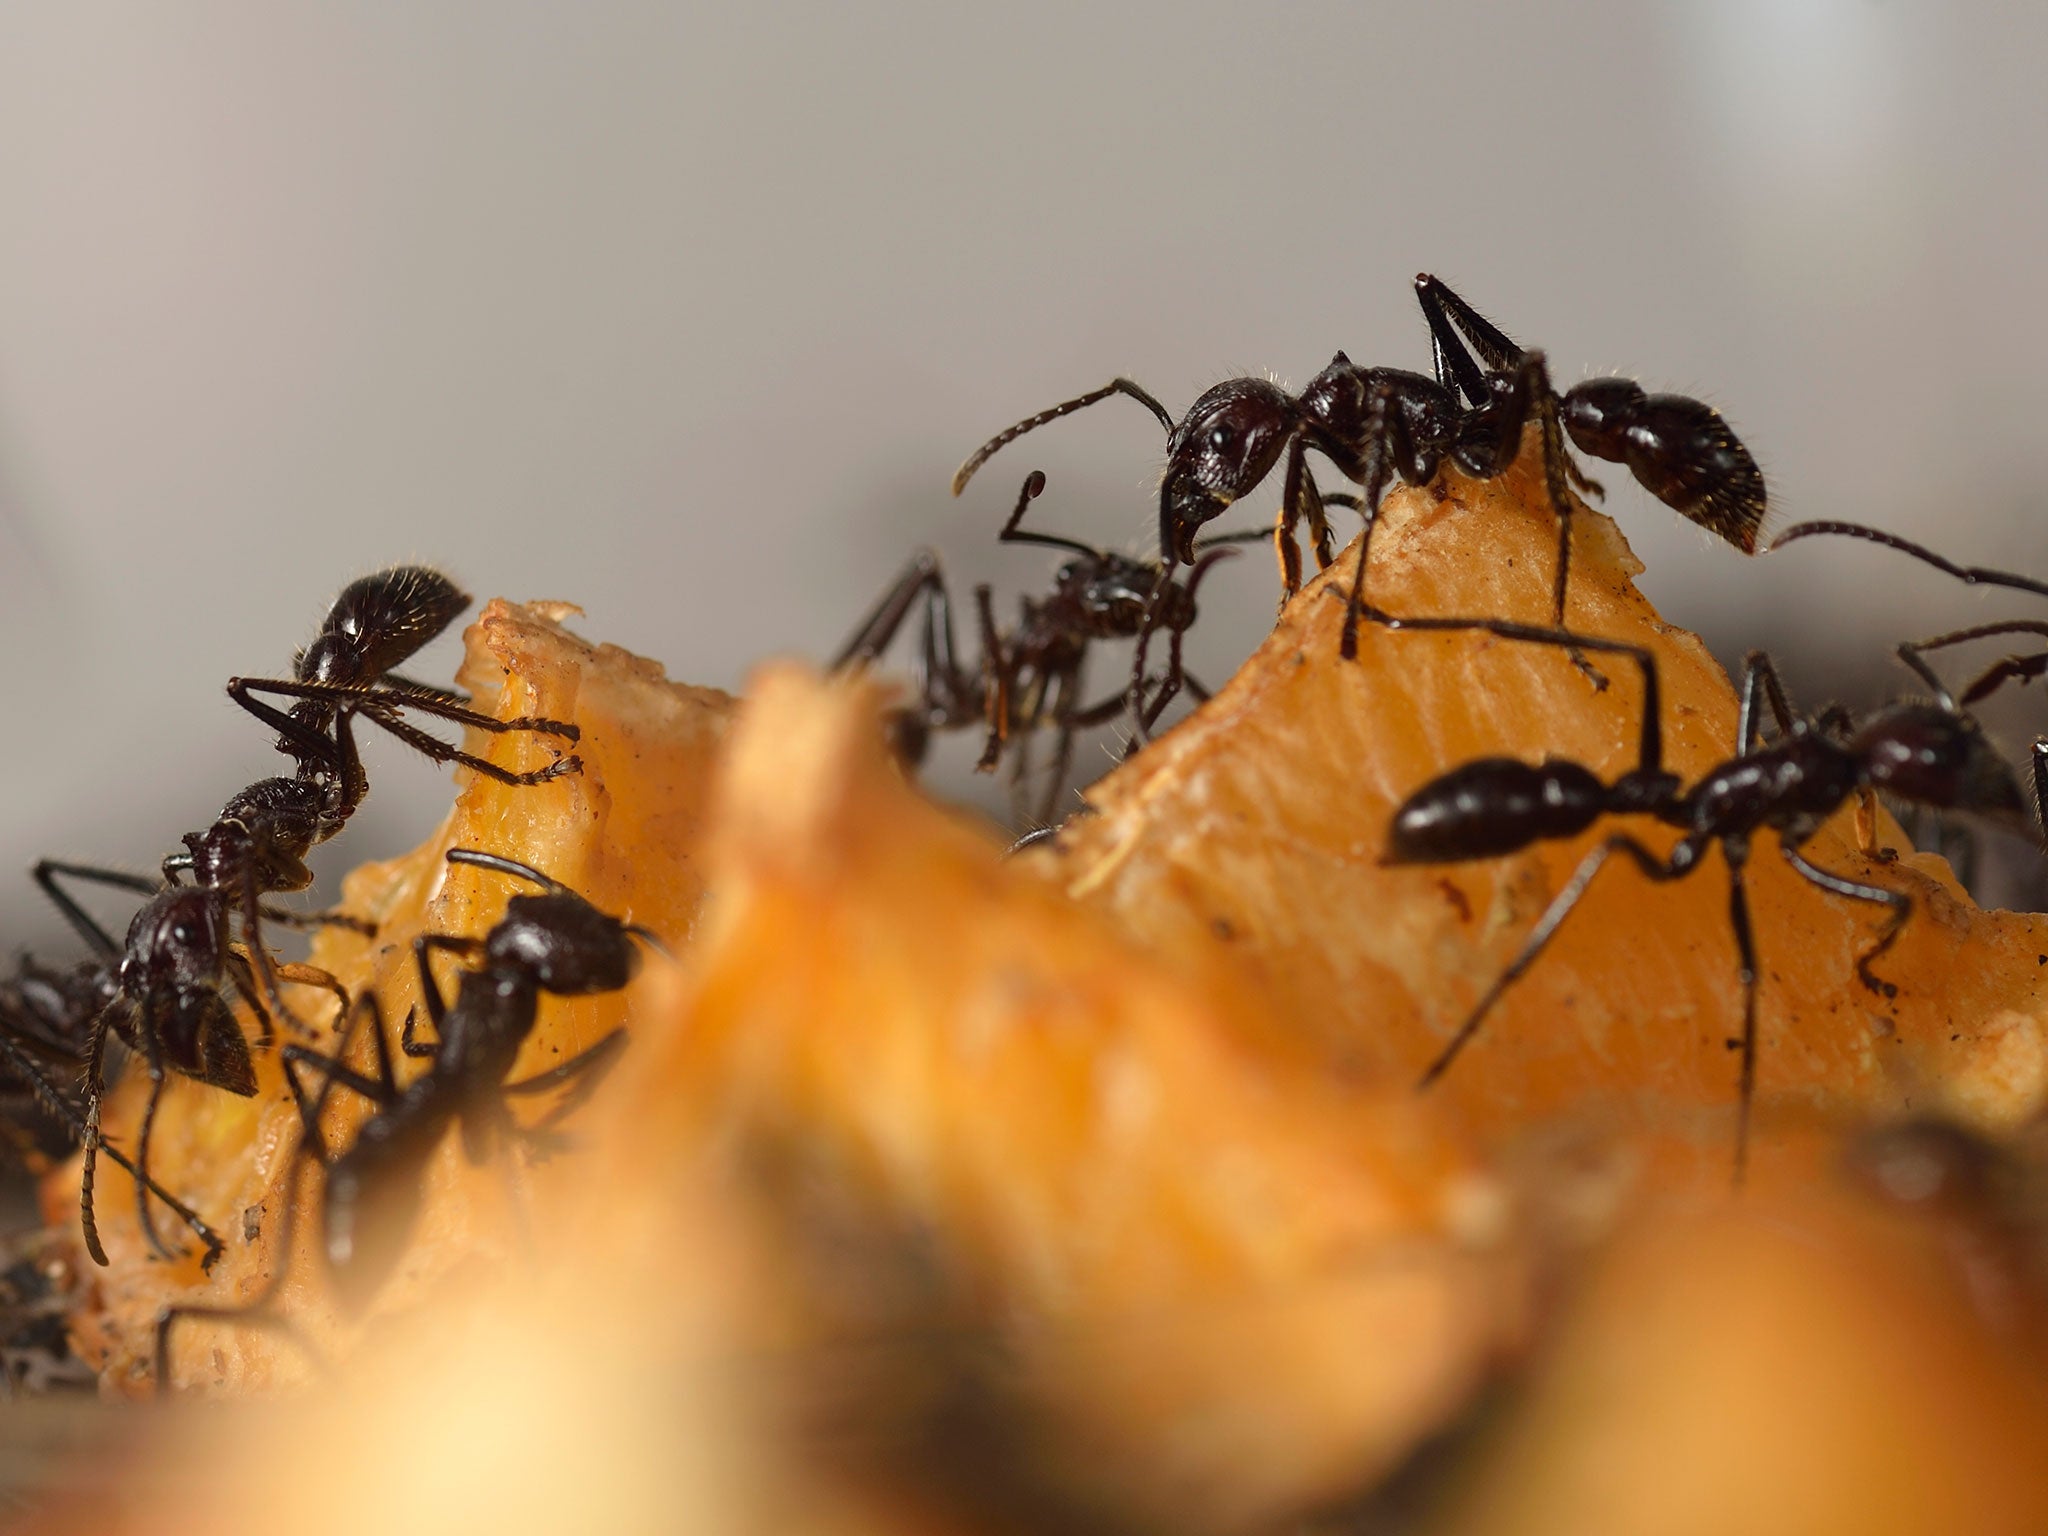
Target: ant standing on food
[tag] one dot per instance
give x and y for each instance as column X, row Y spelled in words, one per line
column 170, row 980
column 554, row 943
column 1927, row 754
column 1031, row 676
column 2009, row 669
column 1378, row 424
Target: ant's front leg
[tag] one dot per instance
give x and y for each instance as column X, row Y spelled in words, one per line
column 1900, row 903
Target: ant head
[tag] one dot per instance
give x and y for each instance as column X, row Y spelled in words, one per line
column 1227, row 443
column 564, row 943
column 175, row 943
column 1934, row 756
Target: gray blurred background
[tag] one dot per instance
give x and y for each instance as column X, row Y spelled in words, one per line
column 689, row 315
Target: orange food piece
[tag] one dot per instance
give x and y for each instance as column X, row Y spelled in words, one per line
column 626, row 831
column 1254, row 831
column 1112, row 1152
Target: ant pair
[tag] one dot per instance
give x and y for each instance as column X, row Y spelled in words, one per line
column 1030, row 677
column 1379, row 424
column 556, row 944
column 1926, row 754
column 167, row 987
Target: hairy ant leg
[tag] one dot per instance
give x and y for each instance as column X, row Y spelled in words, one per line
column 59, row 1104
column 381, row 707
column 1654, row 867
column 254, row 1313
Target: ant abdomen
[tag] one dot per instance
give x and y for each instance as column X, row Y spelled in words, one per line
column 1491, row 807
column 378, row 621
column 1679, row 449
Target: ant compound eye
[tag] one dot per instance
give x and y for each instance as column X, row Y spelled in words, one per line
column 1221, row 438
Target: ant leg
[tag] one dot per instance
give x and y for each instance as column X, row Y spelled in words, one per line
column 1683, row 860
column 313, row 976
column 326, row 917
column 1972, row 575
column 1265, row 534
column 266, row 969
column 1650, row 745
column 584, row 1071
column 434, row 748
column 1118, row 386
column 2019, row 669
column 1900, row 902
column 144, row 1218
column 1064, row 727
column 295, row 737
column 997, row 680
column 1286, row 532
column 250, row 1314
column 53, row 1099
column 1760, row 684
column 2041, row 785
column 1736, row 852
column 1176, row 671
column 48, row 871
column 95, row 1097
column 372, row 698
column 1443, row 309
column 1378, row 468
column 423, row 948
column 866, row 643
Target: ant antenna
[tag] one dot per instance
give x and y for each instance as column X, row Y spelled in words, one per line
column 980, row 456
column 505, row 866
column 1973, row 575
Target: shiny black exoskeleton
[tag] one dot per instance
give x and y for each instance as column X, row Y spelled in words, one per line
column 191, row 948
column 1921, row 753
column 1378, row 424
column 2009, row 669
column 1031, row 676
column 552, row 944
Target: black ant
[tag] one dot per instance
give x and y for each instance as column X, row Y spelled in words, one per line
column 2013, row 669
column 1376, row 424
column 171, row 977
column 46, row 1019
column 1031, row 677
column 1927, row 754
column 553, row 944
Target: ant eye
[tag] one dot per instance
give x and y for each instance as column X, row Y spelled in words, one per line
column 1220, row 437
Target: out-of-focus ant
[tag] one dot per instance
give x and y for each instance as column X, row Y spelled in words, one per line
column 1379, row 424
column 46, row 1020
column 173, row 974
column 554, row 943
column 2009, row 669
column 1030, row 677
column 1926, row 754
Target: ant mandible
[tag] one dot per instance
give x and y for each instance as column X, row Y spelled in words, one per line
column 1926, row 754
column 556, row 944
column 171, row 976
column 1031, row 677
column 1376, row 424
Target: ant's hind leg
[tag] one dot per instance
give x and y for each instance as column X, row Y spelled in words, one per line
column 1745, row 955
column 919, row 579
column 1560, row 908
column 1900, row 903
column 252, row 1314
